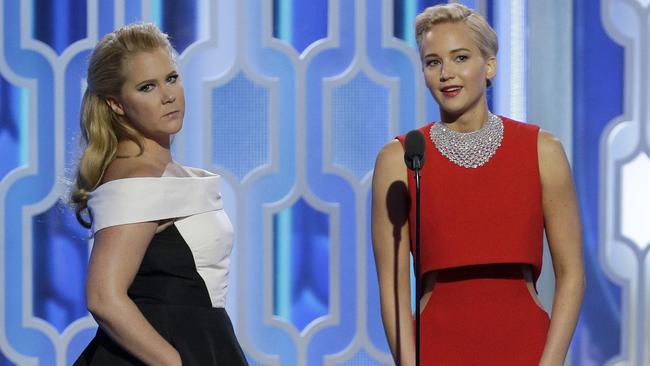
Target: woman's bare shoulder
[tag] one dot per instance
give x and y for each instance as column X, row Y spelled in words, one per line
column 131, row 167
column 391, row 153
column 132, row 162
column 548, row 145
column 554, row 167
column 390, row 165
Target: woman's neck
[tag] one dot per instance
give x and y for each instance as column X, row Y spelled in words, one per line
column 158, row 150
column 151, row 151
column 471, row 120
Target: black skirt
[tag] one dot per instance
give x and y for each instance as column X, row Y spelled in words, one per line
column 174, row 299
column 202, row 336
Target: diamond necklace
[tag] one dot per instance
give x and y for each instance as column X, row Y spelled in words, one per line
column 469, row 149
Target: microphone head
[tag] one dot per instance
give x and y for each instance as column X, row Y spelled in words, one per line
column 414, row 150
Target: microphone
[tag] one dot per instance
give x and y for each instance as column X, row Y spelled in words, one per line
column 414, row 158
column 414, row 150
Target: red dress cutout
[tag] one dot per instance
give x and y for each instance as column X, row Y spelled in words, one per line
column 477, row 227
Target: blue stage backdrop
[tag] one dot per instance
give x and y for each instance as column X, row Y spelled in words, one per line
column 290, row 100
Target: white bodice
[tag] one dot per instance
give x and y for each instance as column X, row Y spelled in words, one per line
column 194, row 203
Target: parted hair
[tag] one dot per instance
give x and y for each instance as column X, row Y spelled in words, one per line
column 481, row 32
column 101, row 128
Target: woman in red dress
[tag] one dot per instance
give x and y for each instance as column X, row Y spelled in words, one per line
column 491, row 187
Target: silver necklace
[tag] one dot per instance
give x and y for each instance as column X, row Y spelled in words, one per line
column 469, row 149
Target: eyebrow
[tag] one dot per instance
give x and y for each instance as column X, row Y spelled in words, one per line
column 153, row 81
column 456, row 50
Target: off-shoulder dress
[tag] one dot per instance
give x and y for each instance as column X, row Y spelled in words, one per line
column 181, row 284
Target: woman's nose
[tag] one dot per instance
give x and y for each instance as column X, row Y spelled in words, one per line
column 446, row 73
column 168, row 97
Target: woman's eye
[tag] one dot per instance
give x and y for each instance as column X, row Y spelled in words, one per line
column 433, row 62
column 146, row 88
column 461, row 58
column 172, row 78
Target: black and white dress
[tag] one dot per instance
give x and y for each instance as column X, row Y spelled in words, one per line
column 181, row 284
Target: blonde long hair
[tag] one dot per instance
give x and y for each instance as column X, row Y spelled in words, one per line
column 101, row 128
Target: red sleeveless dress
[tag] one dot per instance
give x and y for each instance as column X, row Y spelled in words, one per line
column 477, row 227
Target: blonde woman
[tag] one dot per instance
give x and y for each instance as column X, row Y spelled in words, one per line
column 157, row 276
column 491, row 187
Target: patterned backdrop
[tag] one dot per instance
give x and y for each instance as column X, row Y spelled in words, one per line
column 290, row 100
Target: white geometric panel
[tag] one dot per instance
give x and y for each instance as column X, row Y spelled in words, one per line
column 625, row 181
column 510, row 82
column 644, row 3
column 635, row 200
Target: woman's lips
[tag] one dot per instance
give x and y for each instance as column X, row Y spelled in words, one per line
column 451, row 91
column 172, row 115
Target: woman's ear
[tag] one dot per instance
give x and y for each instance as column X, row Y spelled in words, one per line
column 115, row 106
column 491, row 64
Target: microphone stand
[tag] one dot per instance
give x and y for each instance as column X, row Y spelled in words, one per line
column 418, row 284
column 414, row 147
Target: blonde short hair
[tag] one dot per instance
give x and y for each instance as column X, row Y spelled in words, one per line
column 481, row 32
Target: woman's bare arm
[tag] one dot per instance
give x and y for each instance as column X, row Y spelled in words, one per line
column 390, row 238
column 564, row 234
column 115, row 259
column 114, row 262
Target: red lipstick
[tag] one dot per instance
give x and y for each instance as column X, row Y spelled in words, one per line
column 451, row 90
